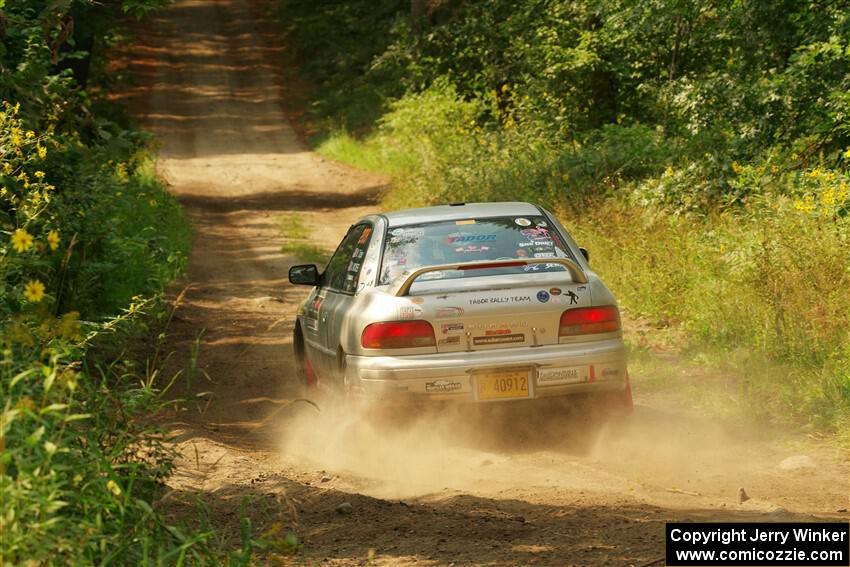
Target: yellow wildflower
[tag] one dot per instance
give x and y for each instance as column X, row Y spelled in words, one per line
column 8, row 168
column 828, row 197
column 30, row 134
column 34, row 291
column 736, row 167
column 53, row 239
column 42, row 151
column 17, row 137
column 21, row 240
column 113, row 487
column 668, row 172
column 39, row 175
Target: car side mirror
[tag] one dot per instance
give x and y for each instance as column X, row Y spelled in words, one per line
column 585, row 253
column 304, row 274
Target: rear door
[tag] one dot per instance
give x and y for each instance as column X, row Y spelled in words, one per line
column 342, row 278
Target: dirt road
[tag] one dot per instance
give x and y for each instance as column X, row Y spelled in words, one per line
column 212, row 85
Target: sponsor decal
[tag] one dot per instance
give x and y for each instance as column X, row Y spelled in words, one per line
column 472, row 238
column 555, row 290
column 492, row 332
column 453, row 340
column 499, row 339
column 462, row 222
column 536, row 234
column 438, row 386
column 527, row 244
column 409, row 312
column 521, row 253
column 358, row 253
column 544, row 254
column 573, row 297
column 544, row 247
column 497, row 325
column 503, row 299
column 448, row 312
column 447, row 328
column 522, row 222
column 417, row 300
column 472, row 248
column 542, row 296
column 610, row 372
column 541, row 223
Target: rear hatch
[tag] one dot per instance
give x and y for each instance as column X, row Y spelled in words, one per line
column 482, row 319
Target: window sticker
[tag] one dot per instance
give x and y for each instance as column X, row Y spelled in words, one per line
column 365, row 236
column 472, row 248
column 458, row 238
column 468, row 221
column 541, row 223
column 523, row 222
column 536, row 234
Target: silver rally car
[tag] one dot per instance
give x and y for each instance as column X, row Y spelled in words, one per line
column 485, row 302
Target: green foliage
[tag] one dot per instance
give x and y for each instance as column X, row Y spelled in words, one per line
column 89, row 237
column 701, row 149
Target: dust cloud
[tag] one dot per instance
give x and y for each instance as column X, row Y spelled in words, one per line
column 652, row 456
column 540, row 452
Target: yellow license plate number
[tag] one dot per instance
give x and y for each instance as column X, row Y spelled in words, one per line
column 500, row 385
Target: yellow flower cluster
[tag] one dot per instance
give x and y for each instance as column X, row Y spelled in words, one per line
column 829, row 192
column 25, row 191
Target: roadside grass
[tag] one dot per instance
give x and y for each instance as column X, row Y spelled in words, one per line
column 296, row 234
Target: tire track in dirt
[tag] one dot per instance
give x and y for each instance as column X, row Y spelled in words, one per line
column 211, row 84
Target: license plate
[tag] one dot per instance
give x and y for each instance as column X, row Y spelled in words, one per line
column 500, row 385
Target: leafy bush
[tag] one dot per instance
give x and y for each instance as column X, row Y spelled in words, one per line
column 701, row 150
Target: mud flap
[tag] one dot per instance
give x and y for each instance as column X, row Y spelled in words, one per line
column 310, row 378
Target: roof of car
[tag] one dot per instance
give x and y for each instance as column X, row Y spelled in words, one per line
column 460, row 212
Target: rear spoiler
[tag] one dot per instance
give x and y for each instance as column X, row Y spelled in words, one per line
column 575, row 272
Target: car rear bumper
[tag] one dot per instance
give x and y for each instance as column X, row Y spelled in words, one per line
column 553, row 370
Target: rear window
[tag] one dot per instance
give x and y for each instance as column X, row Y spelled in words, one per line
column 453, row 242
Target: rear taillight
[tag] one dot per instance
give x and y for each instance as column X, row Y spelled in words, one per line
column 589, row 320
column 398, row 334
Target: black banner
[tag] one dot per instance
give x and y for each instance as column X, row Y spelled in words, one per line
column 758, row 544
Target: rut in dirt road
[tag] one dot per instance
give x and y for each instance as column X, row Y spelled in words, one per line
column 212, row 86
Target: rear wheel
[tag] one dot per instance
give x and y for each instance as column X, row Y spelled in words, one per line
column 616, row 404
